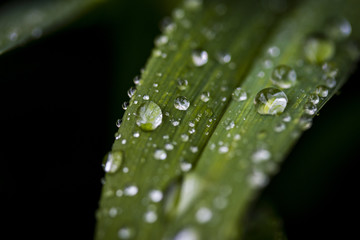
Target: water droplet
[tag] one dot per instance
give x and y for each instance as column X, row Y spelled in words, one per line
column 205, row 96
column 167, row 25
column 187, row 234
column 136, row 80
column 126, row 233
column 194, row 149
column 314, row 98
column 286, row 117
column 149, row 116
column 239, row 94
column 305, row 122
column 112, row 161
column 182, row 84
column 113, row 212
column 131, row 92
column 223, row 149
column 156, row 195
column 279, row 127
column 283, row 76
column 203, row 215
column 322, row 91
column 150, row 217
column 258, row 179
column 146, row 97
column 261, row 155
column 318, row 49
column 274, row 51
column 178, row 13
column 223, row 57
column 330, row 70
column 136, row 134
column 125, row 105
column 169, row 146
column 185, row 166
column 131, row 190
column 118, row 122
column 330, row 82
column 161, row 40
column 270, row 101
column 193, row 4
column 199, row 57
column 160, row 154
column 338, row 28
column 184, row 137
column 310, row 108
column 181, row 103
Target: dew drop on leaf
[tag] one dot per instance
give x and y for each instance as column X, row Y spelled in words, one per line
column 338, row 28
column 199, row 57
column 112, row 161
column 322, row 91
column 239, row 94
column 182, row 84
column 160, row 154
column 270, row 101
column 149, row 116
column 181, row 103
column 126, row 233
column 310, row 108
column 283, row 76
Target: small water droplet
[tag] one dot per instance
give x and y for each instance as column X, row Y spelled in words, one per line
column 131, row 92
column 118, row 122
column 223, row 57
column 199, row 57
column 184, row 137
column 270, row 101
column 258, row 179
column 182, row 84
column 239, row 94
column 322, row 91
column 330, row 82
column 318, row 49
column 125, row 105
column 286, row 117
column 167, row 25
column 160, row 154
column 187, row 234
column 310, row 108
column 203, row 215
column 169, row 146
column 146, row 97
column 205, row 96
column 149, row 116
column 338, row 28
column 260, row 155
column 150, row 216
column 305, row 122
column 223, row 149
column 330, row 70
column 193, row 4
column 181, row 103
column 274, row 51
column 185, row 166
column 113, row 212
column 283, row 76
column 279, row 127
column 314, row 98
column 161, row 40
column 131, row 190
column 136, row 134
column 126, row 233
column 112, row 161
column 136, row 80
column 156, row 195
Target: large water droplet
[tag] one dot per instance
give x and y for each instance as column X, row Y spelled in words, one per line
column 270, row 101
column 181, row 103
column 239, row 94
column 319, row 49
column 199, row 57
column 149, row 116
column 338, row 28
column 112, row 161
column 314, row 98
column 283, row 76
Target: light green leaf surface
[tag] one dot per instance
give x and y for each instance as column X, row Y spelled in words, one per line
column 21, row 22
column 210, row 166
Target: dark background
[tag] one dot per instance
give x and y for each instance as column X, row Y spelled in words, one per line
column 61, row 95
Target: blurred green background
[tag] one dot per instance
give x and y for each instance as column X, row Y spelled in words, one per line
column 61, row 96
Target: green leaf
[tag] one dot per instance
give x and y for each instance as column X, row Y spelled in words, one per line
column 207, row 161
column 21, row 22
